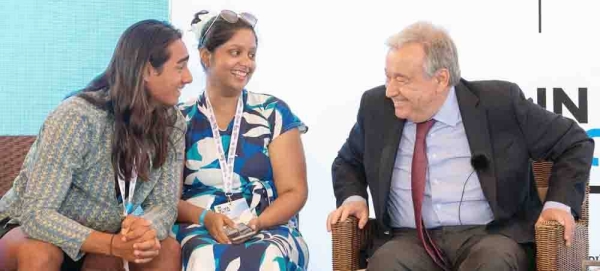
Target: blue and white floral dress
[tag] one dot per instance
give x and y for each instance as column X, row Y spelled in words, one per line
column 279, row 248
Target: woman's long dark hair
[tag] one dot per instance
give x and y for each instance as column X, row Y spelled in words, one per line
column 141, row 129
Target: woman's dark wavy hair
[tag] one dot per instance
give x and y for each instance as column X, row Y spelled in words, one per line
column 141, row 129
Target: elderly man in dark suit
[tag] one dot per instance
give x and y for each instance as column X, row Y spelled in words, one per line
column 447, row 162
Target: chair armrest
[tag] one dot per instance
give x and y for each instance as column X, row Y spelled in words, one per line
column 551, row 251
column 347, row 242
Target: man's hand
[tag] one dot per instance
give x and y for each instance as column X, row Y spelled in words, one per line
column 564, row 218
column 357, row 209
column 133, row 227
column 139, row 231
column 131, row 251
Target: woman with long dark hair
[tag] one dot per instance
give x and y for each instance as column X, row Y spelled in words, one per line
column 101, row 180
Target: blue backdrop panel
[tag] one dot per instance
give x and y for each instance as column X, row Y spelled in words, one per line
column 51, row 48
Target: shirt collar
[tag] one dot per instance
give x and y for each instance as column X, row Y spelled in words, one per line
column 449, row 114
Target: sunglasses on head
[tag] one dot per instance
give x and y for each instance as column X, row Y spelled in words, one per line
column 230, row 17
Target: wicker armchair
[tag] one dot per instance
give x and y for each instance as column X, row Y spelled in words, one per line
column 551, row 253
column 13, row 150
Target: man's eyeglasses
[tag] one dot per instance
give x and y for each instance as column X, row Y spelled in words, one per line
column 230, row 17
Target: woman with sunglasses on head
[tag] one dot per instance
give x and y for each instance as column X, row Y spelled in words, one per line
column 244, row 161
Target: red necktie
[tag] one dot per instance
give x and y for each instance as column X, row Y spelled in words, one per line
column 418, row 173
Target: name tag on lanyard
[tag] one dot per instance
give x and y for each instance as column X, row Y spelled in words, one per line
column 237, row 210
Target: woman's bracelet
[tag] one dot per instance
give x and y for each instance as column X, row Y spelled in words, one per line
column 202, row 216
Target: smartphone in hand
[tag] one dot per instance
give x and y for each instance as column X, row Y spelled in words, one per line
column 240, row 233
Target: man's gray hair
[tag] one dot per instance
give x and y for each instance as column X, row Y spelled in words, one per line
column 440, row 51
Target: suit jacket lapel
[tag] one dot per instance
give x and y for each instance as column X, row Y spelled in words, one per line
column 475, row 122
column 393, row 127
